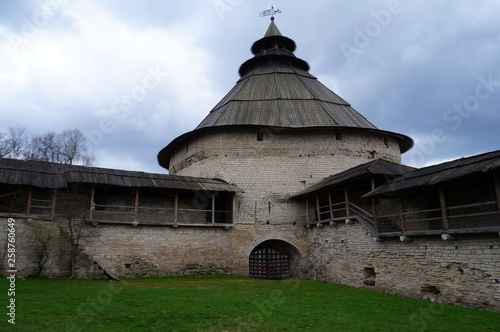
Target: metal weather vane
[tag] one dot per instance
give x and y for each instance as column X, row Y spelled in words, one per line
column 270, row 12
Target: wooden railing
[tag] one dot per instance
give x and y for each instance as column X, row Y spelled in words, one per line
column 476, row 217
column 160, row 215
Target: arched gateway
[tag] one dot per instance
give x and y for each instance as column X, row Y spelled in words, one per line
column 273, row 259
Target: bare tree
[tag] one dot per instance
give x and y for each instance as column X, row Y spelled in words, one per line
column 44, row 147
column 73, row 148
column 74, row 220
column 4, row 145
column 14, row 143
column 69, row 147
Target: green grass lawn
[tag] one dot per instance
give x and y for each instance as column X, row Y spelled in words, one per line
column 223, row 303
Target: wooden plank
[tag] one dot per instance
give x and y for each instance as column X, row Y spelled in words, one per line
column 330, row 204
column 374, row 208
column 213, row 208
column 318, row 214
column 346, row 197
column 176, row 207
column 442, row 203
column 12, row 193
column 53, row 206
column 307, row 211
column 374, row 213
column 497, row 190
column 400, row 206
column 233, row 198
column 28, row 204
column 136, row 205
column 92, row 202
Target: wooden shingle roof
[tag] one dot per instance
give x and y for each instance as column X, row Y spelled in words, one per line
column 51, row 175
column 437, row 174
column 376, row 167
column 283, row 96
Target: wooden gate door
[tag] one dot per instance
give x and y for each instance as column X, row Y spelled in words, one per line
column 269, row 263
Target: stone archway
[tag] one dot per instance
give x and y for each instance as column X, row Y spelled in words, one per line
column 273, row 259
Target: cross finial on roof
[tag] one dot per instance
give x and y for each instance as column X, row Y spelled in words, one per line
column 271, row 12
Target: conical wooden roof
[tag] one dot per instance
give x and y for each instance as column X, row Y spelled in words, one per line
column 275, row 89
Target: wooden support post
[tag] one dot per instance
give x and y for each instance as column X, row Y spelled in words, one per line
column 318, row 214
column 374, row 213
column 374, row 206
column 136, row 205
column 444, row 213
column 346, row 197
column 176, row 207
column 497, row 190
column 53, row 207
column 233, row 197
column 330, row 204
column 92, row 203
column 213, row 208
column 28, row 204
column 307, row 211
column 401, row 216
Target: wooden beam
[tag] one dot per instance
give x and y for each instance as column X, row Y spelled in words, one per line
column 497, row 190
column 12, row 193
column 92, row 203
column 374, row 214
column 374, row 207
column 307, row 211
column 401, row 217
column 176, row 207
column 346, row 197
column 136, row 205
column 318, row 214
column 442, row 203
column 28, row 204
column 53, row 206
column 213, row 208
column 233, row 198
column 330, row 204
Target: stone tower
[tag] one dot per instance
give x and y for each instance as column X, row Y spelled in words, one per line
column 278, row 131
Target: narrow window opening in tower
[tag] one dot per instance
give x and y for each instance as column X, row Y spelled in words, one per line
column 338, row 136
column 260, row 135
column 386, row 142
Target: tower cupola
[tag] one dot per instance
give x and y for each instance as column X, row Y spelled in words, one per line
column 273, row 48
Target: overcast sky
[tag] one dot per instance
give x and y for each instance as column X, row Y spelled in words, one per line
column 133, row 75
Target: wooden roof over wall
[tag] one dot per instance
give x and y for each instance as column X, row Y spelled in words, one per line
column 376, row 167
column 51, row 175
column 437, row 174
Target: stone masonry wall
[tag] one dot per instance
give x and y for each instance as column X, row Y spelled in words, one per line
column 30, row 237
column 161, row 250
column 270, row 165
column 465, row 271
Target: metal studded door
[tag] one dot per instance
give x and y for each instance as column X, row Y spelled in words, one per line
column 269, row 263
